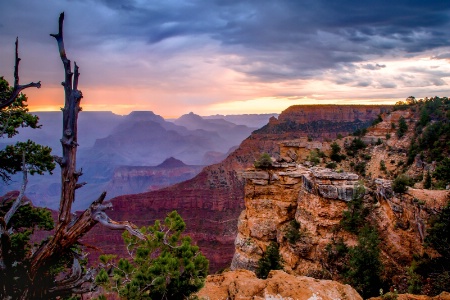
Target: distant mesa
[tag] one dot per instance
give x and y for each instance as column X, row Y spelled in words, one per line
column 171, row 162
column 142, row 115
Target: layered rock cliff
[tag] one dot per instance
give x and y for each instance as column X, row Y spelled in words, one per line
column 314, row 197
column 132, row 179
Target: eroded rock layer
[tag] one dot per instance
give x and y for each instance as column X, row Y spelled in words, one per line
column 243, row 284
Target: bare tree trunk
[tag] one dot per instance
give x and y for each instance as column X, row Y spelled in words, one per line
column 68, row 230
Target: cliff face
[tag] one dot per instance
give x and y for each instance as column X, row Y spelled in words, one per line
column 316, row 198
column 322, row 121
column 335, row 113
column 129, row 179
column 212, row 201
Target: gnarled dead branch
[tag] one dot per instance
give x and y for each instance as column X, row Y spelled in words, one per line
column 17, row 87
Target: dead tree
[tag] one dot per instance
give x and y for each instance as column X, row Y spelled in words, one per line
column 69, row 229
column 17, row 88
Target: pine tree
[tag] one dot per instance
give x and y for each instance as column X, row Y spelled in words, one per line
column 271, row 260
column 166, row 265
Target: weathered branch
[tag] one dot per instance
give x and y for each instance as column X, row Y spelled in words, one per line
column 80, row 185
column 100, row 216
column 17, row 87
column 19, row 198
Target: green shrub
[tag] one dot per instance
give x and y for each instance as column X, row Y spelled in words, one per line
column 354, row 217
column 331, row 165
column 427, row 182
column 314, row 156
column 438, row 235
column 166, row 265
column 293, row 234
column 336, row 153
column 401, row 183
column 356, row 145
column 442, row 171
column 364, row 265
column 271, row 260
column 402, row 127
column 263, row 162
column 360, row 168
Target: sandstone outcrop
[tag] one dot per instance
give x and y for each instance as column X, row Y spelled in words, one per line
column 314, row 197
column 243, row 285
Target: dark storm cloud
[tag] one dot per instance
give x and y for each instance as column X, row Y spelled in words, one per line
column 274, row 40
column 373, row 66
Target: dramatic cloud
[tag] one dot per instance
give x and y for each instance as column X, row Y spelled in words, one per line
column 178, row 56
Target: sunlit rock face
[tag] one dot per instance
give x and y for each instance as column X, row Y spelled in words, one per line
column 315, row 197
column 243, row 284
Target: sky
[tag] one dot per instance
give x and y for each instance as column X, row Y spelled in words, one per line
column 229, row 57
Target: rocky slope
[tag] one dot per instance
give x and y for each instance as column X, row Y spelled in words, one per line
column 212, row 201
column 243, row 284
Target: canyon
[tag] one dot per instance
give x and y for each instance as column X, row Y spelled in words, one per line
column 111, row 145
column 211, row 202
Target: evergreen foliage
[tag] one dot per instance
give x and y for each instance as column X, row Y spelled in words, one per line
column 442, row 171
column 16, row 115
column 364, row 264
column 164, row 266
column 20, row 247
column 438, row 235
column 401, row 183
column 263, row 162
column 294, row 233
column 354, row 217
column 427, row 182
column 271, row 260
column 336, row 153
column 38, row 158
column 356, row 145
column 402, row 127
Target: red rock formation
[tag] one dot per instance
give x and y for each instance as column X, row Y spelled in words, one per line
column 135, row 179
column 336, row 113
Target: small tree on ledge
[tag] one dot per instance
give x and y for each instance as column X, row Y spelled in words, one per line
column 263, row 162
